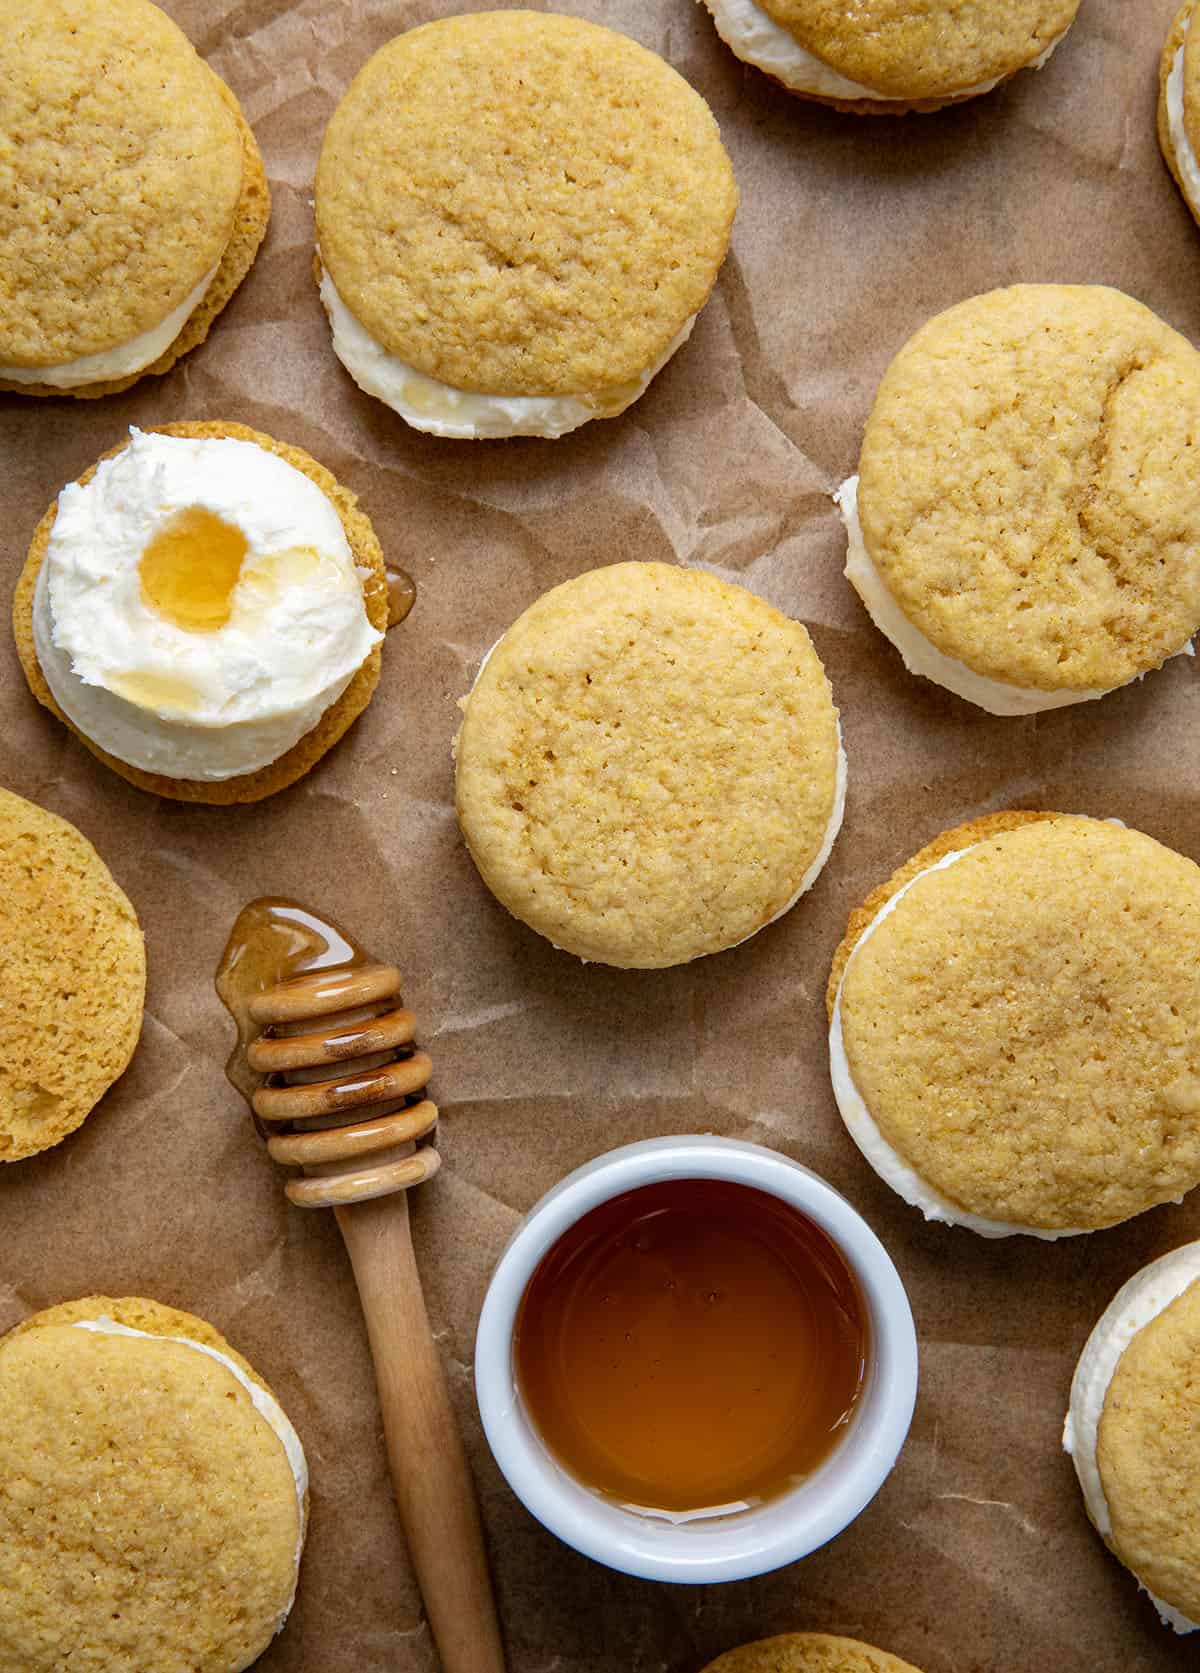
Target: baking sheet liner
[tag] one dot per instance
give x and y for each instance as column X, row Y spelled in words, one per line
column 977, row 1553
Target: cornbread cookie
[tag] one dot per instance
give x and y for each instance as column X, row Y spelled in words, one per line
column 72, row 978
column 153, row 1496
column 1015, row 1026
column 132, row 196
column 881, row 57
column 1133, row 1431
column 295, row 760
column 808, row 1652
column 650, row 765
column 1179, row 105
column 1025, row 524
column 519, row 216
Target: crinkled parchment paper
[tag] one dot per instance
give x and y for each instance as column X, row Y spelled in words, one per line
column 977, row 1554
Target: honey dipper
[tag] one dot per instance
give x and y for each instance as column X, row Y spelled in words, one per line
column 325, row 1055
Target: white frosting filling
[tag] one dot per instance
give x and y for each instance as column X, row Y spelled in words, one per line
column 1181, row 146
column 757, row 39
column 831, row 831
column 203, row 705
column 888, row 1163
column 1135, row 1304
column 463, row 414
column 921, row 656
column 264, row 1403
column 118, row 362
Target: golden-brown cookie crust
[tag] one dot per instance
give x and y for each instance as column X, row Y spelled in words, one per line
column 149, row 1512
column 138, row 1312
column 337, row 719
column 648, row 765
column 72, row 979
column 924, row 49
column 249, row 228
column 808, row 1652
column 1148, row 1453
column 562, row 262
column 1024, row 1028
column 1027, row 490
column 962, row 836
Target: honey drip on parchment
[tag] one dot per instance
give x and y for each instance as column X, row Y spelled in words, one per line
column 402, row 594
column 275, row 940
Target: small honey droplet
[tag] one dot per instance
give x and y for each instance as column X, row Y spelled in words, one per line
column 190, row 568
column 402, row 594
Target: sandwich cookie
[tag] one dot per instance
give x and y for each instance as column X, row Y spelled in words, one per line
column 808, row 1652
column 204, row 609
column 72, row 978
column 153, row 1495
column 1015, row 1026
column 1179, row 105
column 650, row 766
column 1025, row 523
column 878, row 58
column 519, row 216
column 1133, row 1432
column 132, row 196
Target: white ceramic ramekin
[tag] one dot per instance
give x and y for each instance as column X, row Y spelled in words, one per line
column 747, row 1542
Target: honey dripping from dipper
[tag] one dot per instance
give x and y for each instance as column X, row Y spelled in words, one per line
column 322, row 1042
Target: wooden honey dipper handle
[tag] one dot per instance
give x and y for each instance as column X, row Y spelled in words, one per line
column 334, row 1049
column 429, row 1468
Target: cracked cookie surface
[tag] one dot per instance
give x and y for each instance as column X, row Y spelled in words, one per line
column 523, row 204
column 1028, row 489
column 72, row 978
column 1024, row 1026
column 648, row 765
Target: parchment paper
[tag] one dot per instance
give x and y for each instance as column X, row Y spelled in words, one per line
column 977, row 1554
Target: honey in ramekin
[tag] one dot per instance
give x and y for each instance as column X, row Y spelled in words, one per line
column 694, row 1345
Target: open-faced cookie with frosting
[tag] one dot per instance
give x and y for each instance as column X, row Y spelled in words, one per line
column 808, row 1652
column 1133, row 1431
column 519, row 216
column 1025, row 522
column 650, row 765
column 132, row 195
column 877, row 57
column 204, row 609
column 72, row 978
column 1015, row 1026
column 153, row 1494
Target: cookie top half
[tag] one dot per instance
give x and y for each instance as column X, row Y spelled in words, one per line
column 1028, row 490
column 150, row 1515
column 808, row 1652
column 1148, row 1452
column 649, row 765
column 120, row 175
column 924, row 49
column 523, row 203
column 72, row 978
column 1024, row 1024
